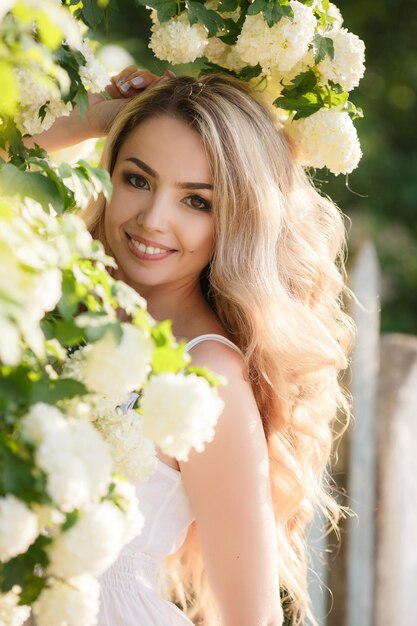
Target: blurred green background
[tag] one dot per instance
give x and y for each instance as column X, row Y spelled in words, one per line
column 380, row 197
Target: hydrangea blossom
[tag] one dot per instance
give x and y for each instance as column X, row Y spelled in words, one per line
column 177, row 41
column 281, row 45
column 74, row 456
column 133, row 453
column 94, row 75
column 18, row 527
column 75, row 601
column 112, row 368
column 92, row 544
column 224, row 55
column 180, row 412
column 348, row 65
column 36, row 92
column 11, row 613
column 340, row 150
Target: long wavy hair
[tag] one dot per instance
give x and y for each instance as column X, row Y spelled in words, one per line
column 277, row 282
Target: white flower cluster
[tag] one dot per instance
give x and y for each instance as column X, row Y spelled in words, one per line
column 11, row 613
column 93, row 74
column 133, row 453
column 348, row 65
column 93, row 543
column 74, row 457
column 110, row 368
column 177, row 41
column 284, row 51
column 68, row 602
column 36, row 91
column 28, row 271
column 327, row 139
column 281, row 45
column 18, row 527
column 180, row 412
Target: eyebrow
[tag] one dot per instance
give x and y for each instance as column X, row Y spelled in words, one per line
column 146, row 168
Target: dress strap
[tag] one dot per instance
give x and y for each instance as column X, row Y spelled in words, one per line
column 212, row 337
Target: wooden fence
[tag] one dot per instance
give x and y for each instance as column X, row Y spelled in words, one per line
column 372, row 573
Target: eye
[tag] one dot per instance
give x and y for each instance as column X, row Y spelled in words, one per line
column 136, row 180
column 198, row 203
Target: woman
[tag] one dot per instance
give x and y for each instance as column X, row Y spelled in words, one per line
column 215, row 223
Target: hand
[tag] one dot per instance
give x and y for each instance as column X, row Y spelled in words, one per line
column 122, row 88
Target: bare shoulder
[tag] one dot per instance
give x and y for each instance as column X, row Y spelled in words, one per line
column 219, row 358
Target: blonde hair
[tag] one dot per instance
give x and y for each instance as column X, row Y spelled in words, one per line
column 277, row 282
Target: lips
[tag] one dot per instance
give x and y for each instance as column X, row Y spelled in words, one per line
column 147, row 252
column 150, row 243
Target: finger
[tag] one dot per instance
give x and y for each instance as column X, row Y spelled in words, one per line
column 136, row 80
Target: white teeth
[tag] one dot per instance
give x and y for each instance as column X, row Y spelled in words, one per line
column 147, row 249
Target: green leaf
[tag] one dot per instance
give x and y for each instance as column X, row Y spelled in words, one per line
column 213, row 379
column 81, row 99
column 257, row 6
column 197, row 13
column 249, row 72
column 162, row 334
column 20, row 570
column 18, row 475
column 99, row 178
column 276, row 10
column 70, row 520
column 30, row 185
column 32, row 589
column 166, row 9
column 228, row 5
column 65, row 331
column 167, row 359
column 51, row 391
column 322, row 46
column 73, row 293
column 304, row 106
column 92, row 13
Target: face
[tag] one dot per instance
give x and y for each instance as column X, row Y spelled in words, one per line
column 158, row 223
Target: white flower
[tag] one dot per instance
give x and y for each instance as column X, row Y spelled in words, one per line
column 69, row 603
column 75, row 458
column 11, row 614
column 281, row 45
column 180, row 412
column 112, row 368
column 177, row 41
column 94, row 75
column 91, row 545
column 335, row 15
column 348, row 65
column 329, row 139
column 133, row 453
column 18, row 527
column 36, row 91
column 222, row 54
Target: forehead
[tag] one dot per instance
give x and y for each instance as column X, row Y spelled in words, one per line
column 170, row 147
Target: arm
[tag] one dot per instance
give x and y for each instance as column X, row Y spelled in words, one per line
column 72, row 129
column 229, row 490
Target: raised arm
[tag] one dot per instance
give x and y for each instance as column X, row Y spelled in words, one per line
column 228, row 486
column 72, row 129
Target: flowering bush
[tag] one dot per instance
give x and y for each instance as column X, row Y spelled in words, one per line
column 71, row 430
column 294, row 51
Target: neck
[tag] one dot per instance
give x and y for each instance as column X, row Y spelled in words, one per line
column 183, row 304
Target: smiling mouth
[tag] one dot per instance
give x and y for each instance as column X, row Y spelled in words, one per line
column 150, row 252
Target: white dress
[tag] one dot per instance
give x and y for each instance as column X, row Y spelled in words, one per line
column 130, row 588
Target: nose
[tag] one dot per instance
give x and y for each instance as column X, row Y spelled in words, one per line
column 155, row 216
